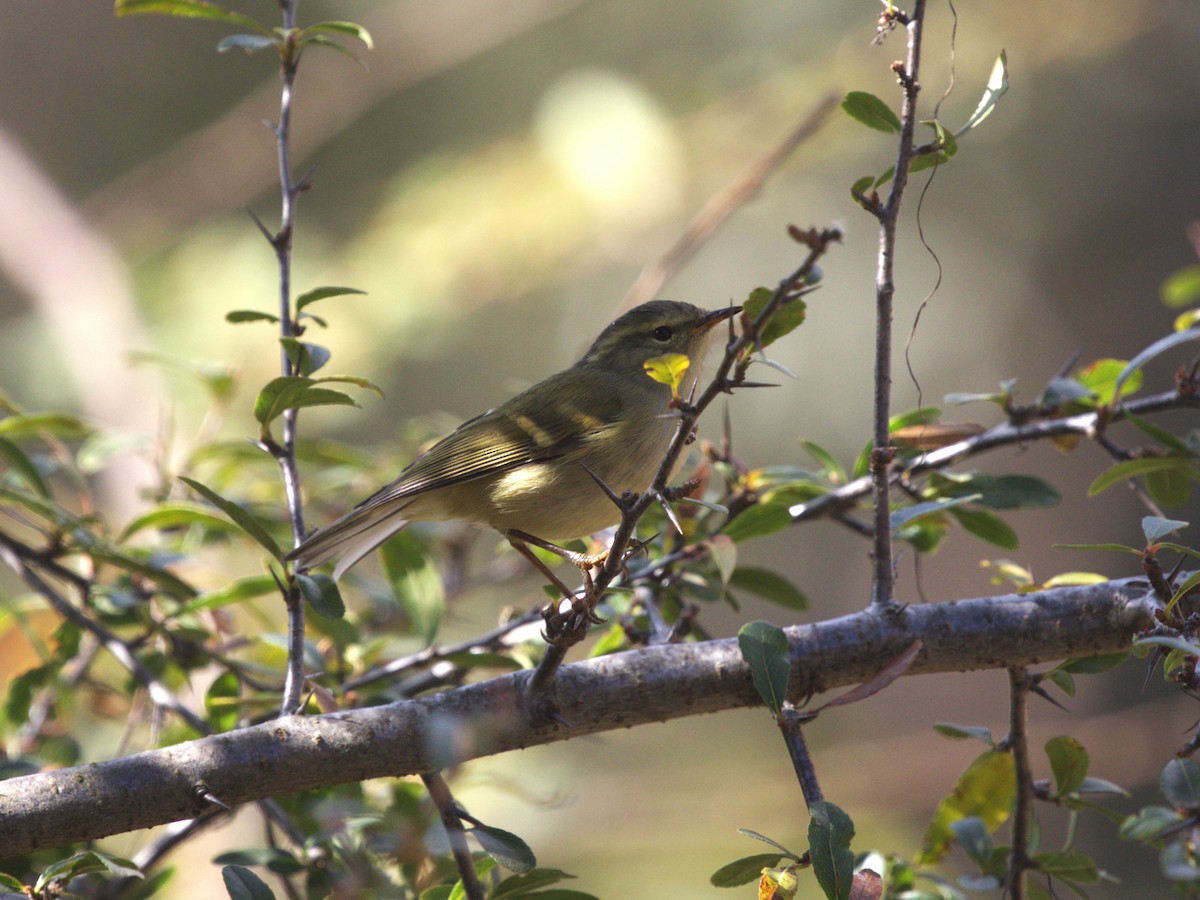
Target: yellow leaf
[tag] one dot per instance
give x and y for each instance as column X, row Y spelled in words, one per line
column 668, row 369
column 985, row 790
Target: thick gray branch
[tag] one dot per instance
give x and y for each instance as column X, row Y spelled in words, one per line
column 619, row 691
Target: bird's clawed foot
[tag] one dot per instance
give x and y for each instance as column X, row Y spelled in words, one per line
column 568, row 619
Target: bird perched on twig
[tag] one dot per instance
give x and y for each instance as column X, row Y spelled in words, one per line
column 533, row 467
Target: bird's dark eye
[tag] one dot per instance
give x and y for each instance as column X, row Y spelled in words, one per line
column 663, row 333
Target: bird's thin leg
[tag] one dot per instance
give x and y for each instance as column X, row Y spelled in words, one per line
column 521, row 546
column 565, row 622
column 583, row 560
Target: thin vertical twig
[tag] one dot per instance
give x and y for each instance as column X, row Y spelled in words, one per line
column 285, row 452
column 1018, row 745
column 884, row 587
column 790, row 724
column 439, row 793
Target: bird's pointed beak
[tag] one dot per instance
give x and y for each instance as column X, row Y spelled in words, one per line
column 717, row 315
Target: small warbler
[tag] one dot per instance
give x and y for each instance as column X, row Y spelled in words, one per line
column 523, row 467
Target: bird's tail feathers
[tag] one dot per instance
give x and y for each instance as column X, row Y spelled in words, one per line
column 351, row 538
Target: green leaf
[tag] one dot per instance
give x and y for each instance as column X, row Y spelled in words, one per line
column 522, row 885
column 997, row 87
column 505, row 848
column 21, row 690
column 871, row 111
column 1062, row 677
column 1149, row 823
column 1179, row 644
column 1179, row 548
column 1117, row 548
column 744, row 870
column 613, row 640
column 787, row 318
column 972, row 835
column 83, row 863
column 1180, row 783
column 1159, row 347
column 1100, row 786
column 278, row 395
column 962, row 732
column 986, row 790
column 1182, row 287
column 23, row 467
column 830, row 467
column 757, row 521
column 251, row 43
column 322, row 40
column 861, row 186
column 235, row 592
column 177, row 514
column 356, row 380
column 1068, row 763
column 999, row 491
column 36, row 424
column 238, row 316
column 321, row 397
column 350, row 29
column 132, row 562
column 924, row 535
column 323, row 293
column 1160, row 434
column 1184, row 589
column 1101, row 377
column 769, row 586
column 1155, row 528
column 764, row 647
column 909, row 514
column 240, row 516
column 294, row 392
column 305, row 356
column 862, row 463
column 322, row 594
column 117, row 865
column 924, row 415
column 221, row 702
column 986, row 526
column 1064, row 392
column 242, row 884
column 190, row 9
column 42, row 507
column 723, row 551
column 1186, row 320
column 1074, row 579
column 1132, row 468
column 944, row 148
column 999, row 398
column 1172, row 487
column 415, row 583
column 1074, row 866
column 278, row 861
column 829, row 834
column 1093, row 665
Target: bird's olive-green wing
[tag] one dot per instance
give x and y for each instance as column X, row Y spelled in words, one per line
column 545, row 422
